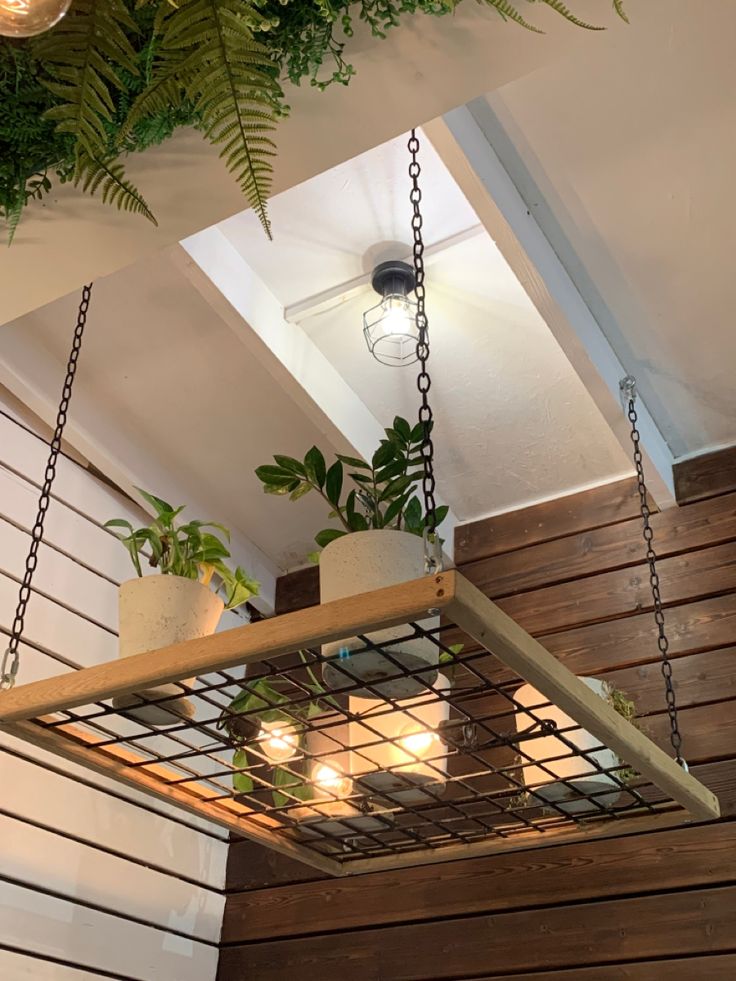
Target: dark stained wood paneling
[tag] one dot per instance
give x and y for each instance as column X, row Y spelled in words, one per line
column 619, row 867
column 603, row 549
column 297, row 590
column 705, row 475
column 606, row 505
column 691, row 922
column 708, row 572
column 719, row 967
column 253, row 867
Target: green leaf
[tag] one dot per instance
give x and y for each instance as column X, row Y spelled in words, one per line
column 383, row 455
column 395, row 508
column 403, row 428
column 300, row 490
column 161, row 508
column 269, row 474
column 392, row 470
column 440, row 514
column 324, row 538
column 353, row 461
column 291, row 465
column 413, row 515
column 242, row 782
column 316, row 467
column 333, row 483
column 417, row 433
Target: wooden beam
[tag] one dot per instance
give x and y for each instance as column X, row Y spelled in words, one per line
column 255, row 642
column 705, row 475
column 461, row 140
column 486, row 623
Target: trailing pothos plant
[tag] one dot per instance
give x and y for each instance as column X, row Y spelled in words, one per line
column 115, row 76
column 264, row 701
column 190, row 550
column 381, row 493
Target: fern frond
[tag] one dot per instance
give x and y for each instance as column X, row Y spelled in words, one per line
column 208, row 51
column 618, row 6
column 508, row 12
column 96, row 174
column 83, row 56
column 560, row 8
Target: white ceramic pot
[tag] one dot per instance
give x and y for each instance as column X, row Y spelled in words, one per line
column 359, row 563
column 389, row 748
column 559, row 781
column 156, row 611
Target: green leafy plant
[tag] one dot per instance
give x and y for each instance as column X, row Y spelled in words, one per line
column 116, row 76
column 383, row 492
column 261, row 702
column 189, row 550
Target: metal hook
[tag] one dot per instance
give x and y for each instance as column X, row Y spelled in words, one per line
column 8, row 676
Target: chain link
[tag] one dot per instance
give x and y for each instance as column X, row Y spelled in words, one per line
column 11, row 658
column 432, row 548
column 629, row 389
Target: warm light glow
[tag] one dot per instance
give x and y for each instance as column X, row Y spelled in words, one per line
column 418, row 742
column 398, row 318
column 24, row 18
column 330, row 778
column 279, row 742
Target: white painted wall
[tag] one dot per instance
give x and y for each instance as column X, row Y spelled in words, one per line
column 96, row 880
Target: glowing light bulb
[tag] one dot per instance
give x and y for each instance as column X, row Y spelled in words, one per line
column 418, row 742
column 330, row 778
column 24, row 18
column 279, row 742
column 398, row 319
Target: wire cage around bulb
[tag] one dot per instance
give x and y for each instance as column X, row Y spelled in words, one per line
column 469, row 768
column 390, row 330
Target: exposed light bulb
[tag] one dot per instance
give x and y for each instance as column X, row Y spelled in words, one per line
column 278, row 741
column 24, row 18
column 398, row 318
column 330, row 778
column 418, row 742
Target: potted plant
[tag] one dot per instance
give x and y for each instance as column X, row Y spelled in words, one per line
column 378, row 542
column 569, row 781
column 183, row 602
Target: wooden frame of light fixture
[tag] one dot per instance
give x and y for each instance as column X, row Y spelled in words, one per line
column 448, row 592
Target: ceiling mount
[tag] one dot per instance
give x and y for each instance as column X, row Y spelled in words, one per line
column 393, row 278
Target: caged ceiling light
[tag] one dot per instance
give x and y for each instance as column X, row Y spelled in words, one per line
column 390, row 327
column 412, row 748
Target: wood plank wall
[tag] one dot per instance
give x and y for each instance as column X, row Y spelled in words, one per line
column 644, row 907
column 96, row 881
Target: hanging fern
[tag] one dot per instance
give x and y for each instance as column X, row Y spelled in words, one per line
column 118, row 76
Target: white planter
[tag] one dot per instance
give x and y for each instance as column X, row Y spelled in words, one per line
column 394, row 766
column 156, row 611
column 358, row 563
column 579, row 775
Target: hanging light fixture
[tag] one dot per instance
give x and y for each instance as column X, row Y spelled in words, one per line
column 390, row 327
column 25, row 18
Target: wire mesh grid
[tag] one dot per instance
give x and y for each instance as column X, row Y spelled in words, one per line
column 382, row 744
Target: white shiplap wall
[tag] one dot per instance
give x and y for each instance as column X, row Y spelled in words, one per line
column 96, row 880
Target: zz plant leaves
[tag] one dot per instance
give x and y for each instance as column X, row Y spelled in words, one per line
column 379, row 494
column 189, row 550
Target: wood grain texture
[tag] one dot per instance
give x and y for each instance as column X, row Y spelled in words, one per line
column 618, row 867
column 691, row 922
column 705, row 475
column 297, row 590
column 254, row 642
column 676, row 530
column 605, row 505
column 719, row 967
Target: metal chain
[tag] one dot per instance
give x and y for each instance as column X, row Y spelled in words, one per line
column 628, row 390
column 11, row 658
column 432, row 547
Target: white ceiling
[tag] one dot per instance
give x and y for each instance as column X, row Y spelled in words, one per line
column 628, row 153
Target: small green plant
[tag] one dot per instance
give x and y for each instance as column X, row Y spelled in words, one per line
column 187, row 550
column 261, row 703
column 625, row 707
column 383, row 492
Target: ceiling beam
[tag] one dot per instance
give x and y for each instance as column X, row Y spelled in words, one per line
column 34, row 376
column 463, row 144
column 335, row 295
column 220, row 273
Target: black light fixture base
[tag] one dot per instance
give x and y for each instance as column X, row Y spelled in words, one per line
column 393, row 278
